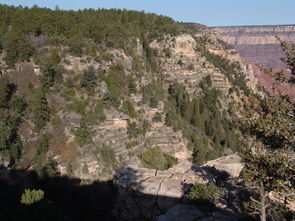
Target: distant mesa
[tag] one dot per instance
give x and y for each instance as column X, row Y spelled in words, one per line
column 258, row 44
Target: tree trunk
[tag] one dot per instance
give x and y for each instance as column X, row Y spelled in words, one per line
column 262, row 203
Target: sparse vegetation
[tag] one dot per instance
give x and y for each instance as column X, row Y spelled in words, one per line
column 154, row 158
column 204, row 192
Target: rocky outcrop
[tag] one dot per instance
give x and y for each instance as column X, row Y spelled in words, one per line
column 186, row 65
column 149, row 194
column 230, row 164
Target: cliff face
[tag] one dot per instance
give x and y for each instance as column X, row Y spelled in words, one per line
column 180, row 61
column 258, row 44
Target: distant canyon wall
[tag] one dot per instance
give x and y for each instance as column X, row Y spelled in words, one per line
column 258, row 44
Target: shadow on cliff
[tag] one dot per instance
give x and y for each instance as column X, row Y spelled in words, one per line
column 65, row 198
column 70, row 200
column 146, row 194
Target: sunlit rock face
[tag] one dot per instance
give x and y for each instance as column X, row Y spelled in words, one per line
column 258, row 44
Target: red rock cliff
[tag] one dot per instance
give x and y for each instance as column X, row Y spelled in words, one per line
column 258, row 44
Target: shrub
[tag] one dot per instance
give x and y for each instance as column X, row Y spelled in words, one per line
column 108, row 156
column 153, row 93
column 145, row 126
column 154, row 158
column 154, row 102
column 204, row 192
column 76, row 46
column 132, row 129
column 132, row 86
column 116, row 80
column 82, row 134
column 107, row 56
column 111, row 99
column 30, row 197
column 157, row 117
column 131, row 144
column 129, row 109
column 89, row 80
column 18, row 48
column 43, row 144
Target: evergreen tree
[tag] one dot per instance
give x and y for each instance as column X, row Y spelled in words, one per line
column 89, row 80
column 270, row 160
column 41, row 112
column 11, row 112
column 17, row 48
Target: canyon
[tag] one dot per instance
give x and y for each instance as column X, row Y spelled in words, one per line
column 259, row 44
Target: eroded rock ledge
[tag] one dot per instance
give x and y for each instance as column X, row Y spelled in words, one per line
column 148, row 194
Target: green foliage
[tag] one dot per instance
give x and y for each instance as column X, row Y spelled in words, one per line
column 108, row 156
column 30, row 197
column 89, row 80
column 201, row 121
column 43, row 144
column 157, row 117
column 129, row 109
column 76, row 46
column 232, row 71
column 145, row 126
column 5, row 91
column 131, row 144
column 133, row 130
column 116, row 80
column 154, row 102
column 50, row 73
column 82, row 133
column 131, row 86
column 54, row 57
column 79, row 29
column 11, row 112
column 17, row 48
column 154, row 158
column 44, row 166
column 273, row 170
column 40, row 110
column 106, row 56
column 269, row 161
column 96, row 114
column 204, row 192
column 111, row 99
column 153, row 93
column 151, row 56
column 79, row 106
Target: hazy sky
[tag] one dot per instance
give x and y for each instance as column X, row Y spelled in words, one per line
column 209, row 12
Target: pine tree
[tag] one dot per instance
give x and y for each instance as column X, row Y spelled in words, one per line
column 270, row 160
column 89, row 80
column 41, row 112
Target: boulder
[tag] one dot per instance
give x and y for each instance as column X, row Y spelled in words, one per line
column 231, row 164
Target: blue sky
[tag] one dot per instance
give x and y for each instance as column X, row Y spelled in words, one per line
column 208, row 12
